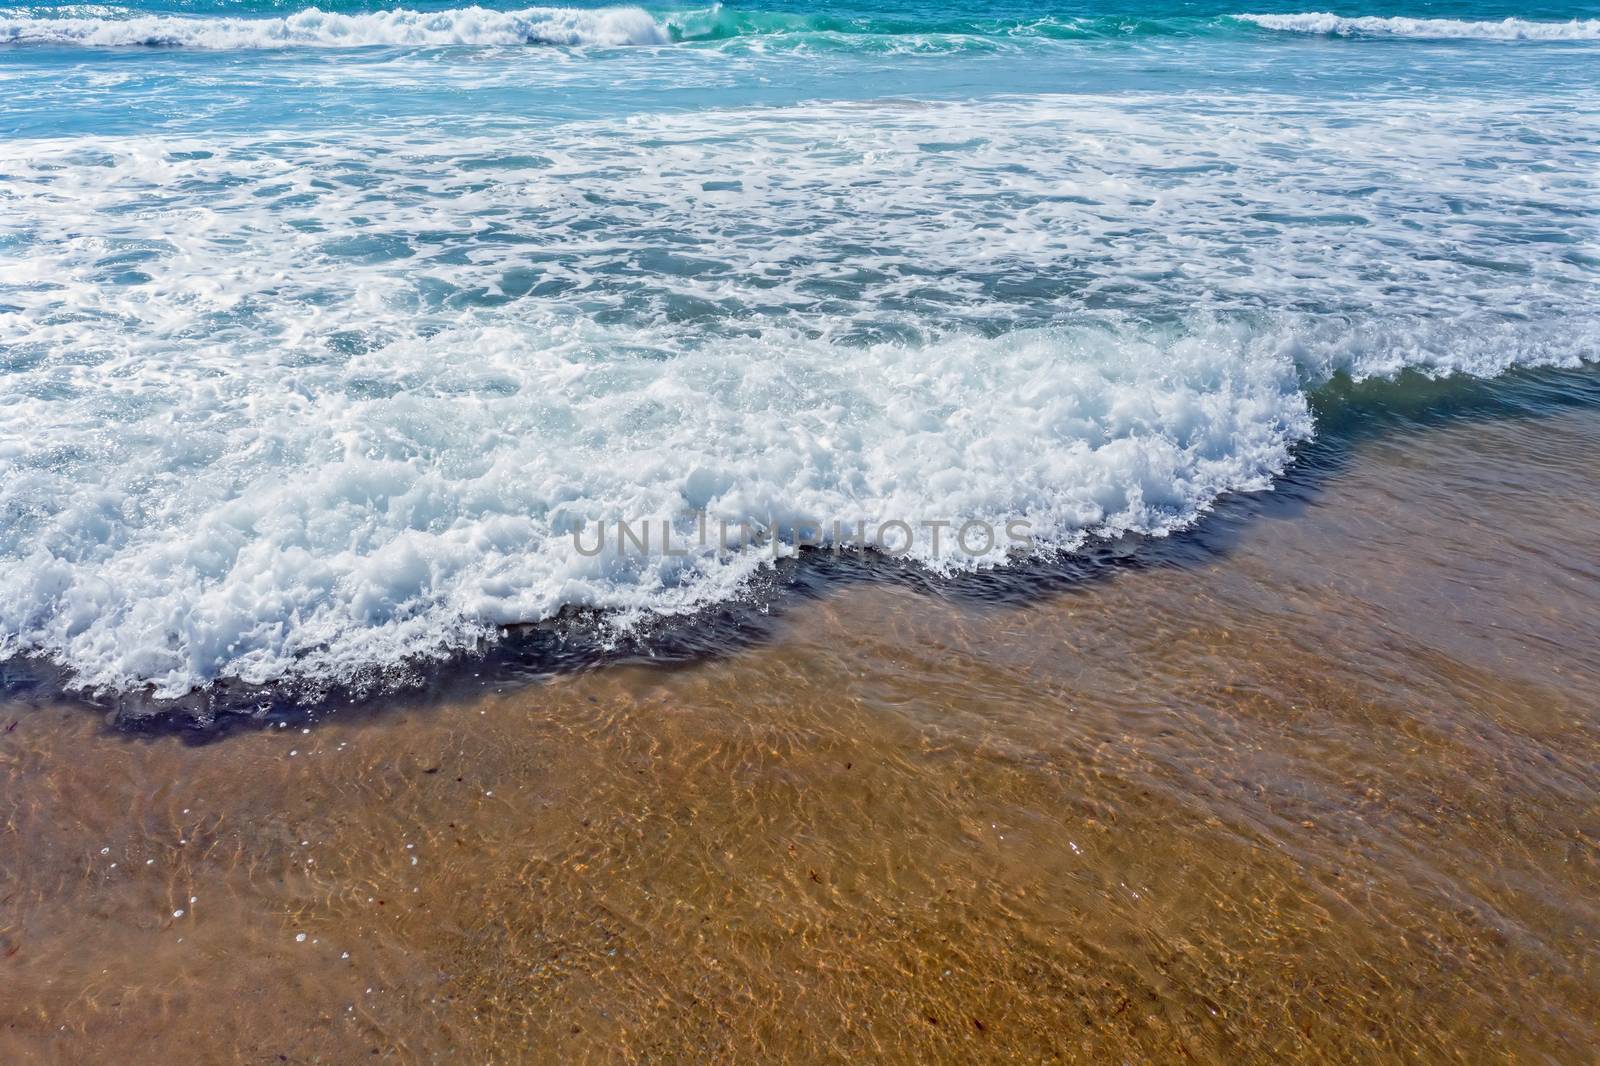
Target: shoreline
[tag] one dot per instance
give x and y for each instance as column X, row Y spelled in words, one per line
column 1347, row 415
column 1312, row 779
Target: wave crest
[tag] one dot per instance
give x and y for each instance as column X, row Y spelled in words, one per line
column 99, row 27
column 313, row 27
column 1511, row 29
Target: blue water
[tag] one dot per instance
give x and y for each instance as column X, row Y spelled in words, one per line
column 744, row 54
column 322, row 331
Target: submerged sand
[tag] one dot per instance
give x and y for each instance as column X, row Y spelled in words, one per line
column 1326, row 789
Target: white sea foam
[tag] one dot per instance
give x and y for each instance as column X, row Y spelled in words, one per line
column 275, row 407
column 1510, row 29
column 605, row 27
column 418, row 496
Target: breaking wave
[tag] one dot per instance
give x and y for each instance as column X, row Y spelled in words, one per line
column 314, row 28
column 1511, row 29
column 285, row 410
column 110, row 27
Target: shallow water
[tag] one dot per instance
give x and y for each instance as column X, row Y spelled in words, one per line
column 323, row 334
column 1318, row 782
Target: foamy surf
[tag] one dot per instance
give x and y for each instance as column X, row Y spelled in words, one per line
column 1509, row 29
column 610, row 27
column 314, row 28
column 324, row 531
column 303, row 409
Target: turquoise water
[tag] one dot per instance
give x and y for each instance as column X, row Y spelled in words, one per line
column 323, row 331
column 191, row 66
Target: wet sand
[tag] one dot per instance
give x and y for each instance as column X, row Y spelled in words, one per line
column 1320, row 783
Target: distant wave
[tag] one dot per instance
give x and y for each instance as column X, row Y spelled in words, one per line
column 1510, row 29
column 101, row 27
column 612, row 26
column 105, row 27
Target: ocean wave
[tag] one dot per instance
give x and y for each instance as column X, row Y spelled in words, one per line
column 100, row 26
column 1511, row 29
column 359, row 529
column 290, row 410
column 416, row 522
column 605, row 27
column 110, row 27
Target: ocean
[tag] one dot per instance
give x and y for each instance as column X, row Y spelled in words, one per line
column 328, row 335
column 793, row 532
